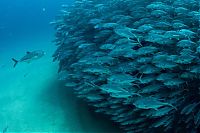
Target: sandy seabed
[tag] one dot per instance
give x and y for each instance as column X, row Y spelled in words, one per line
column 33, row 100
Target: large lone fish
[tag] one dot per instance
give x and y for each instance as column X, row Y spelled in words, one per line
column 29, row 57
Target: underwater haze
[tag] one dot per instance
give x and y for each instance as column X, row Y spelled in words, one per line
column 32, row 99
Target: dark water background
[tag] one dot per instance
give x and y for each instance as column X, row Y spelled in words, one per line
column 31, row 98
column 27, row 17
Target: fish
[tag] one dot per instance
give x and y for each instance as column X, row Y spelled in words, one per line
column 30, row 56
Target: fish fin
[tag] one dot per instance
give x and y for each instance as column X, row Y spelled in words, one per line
column 28, row 52
column 5, row 129
column 15, row 62
column 59, row 69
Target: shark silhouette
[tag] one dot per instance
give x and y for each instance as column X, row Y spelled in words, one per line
column 30, row 56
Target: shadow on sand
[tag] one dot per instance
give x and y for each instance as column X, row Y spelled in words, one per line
column 78, row 116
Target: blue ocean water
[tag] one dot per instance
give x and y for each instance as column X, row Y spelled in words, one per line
column 24, row 16
column 31, row 97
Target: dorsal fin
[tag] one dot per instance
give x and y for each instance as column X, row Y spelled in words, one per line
column 28, row 52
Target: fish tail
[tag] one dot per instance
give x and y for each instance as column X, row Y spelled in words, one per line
column 15, row 62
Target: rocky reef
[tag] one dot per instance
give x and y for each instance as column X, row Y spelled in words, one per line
column 137, row 61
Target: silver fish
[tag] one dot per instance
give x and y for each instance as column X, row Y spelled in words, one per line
column 30, row 56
